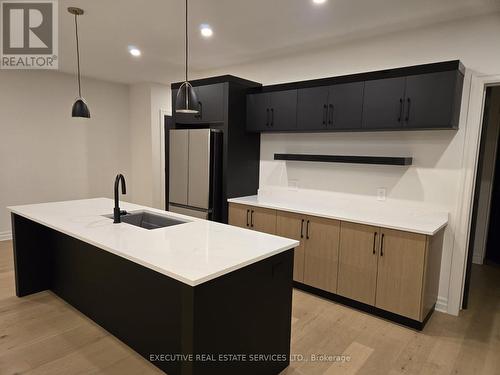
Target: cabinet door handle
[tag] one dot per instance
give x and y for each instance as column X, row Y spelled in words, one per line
column 382, row 246
column 267, row 117
column 330, row 120
column 251, row 219
column 272, row 117
column 307, row 230
column 407, row 118
column 325, row 113
column 200, row 106
column 374, row 241
column 400, row 109
column 302, row 229
column 248, row 212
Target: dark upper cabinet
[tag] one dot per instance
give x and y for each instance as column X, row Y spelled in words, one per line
column 345, row 106
column 383, row 103
column 431, row 99
column 410, row 98
column 283, row 110
column 258, row 112
column 312, row 108
column 272, row 111
column 211, row 102
column 330, row 107
column 210, row 105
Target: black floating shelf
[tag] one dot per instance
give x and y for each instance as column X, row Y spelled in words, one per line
column 384, row 160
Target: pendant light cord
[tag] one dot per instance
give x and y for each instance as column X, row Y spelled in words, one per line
column 78, row 57
column 187, row 40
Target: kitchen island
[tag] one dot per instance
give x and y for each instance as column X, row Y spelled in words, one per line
column 198, row 297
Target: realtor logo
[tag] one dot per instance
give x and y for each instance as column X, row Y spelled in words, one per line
column 29, row 35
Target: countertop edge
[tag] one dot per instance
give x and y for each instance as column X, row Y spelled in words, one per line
column 241, row 200
column 152, row 267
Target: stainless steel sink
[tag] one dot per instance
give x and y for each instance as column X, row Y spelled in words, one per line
column 148, row 220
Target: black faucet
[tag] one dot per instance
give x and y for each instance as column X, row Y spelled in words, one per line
column 117, row 212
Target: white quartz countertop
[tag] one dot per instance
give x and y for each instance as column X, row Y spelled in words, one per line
column 357, row 211
column 193, row 253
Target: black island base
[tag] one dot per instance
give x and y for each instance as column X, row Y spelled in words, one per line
column 238, row 323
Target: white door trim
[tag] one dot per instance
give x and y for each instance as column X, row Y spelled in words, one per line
column 473, row 124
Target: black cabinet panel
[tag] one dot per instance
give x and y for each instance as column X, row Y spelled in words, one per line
column 211, row 102
column 430, row 100
column 272, row 111
column 345, row 106
column 258, row 113
column 210, row 105
column 312, row 108
column 383, row 103
column 283, row 109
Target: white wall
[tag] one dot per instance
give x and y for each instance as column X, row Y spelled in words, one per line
column 45, row 155
column 435, row 178
column 160, row 103
column 146, row 101
column 141, row 169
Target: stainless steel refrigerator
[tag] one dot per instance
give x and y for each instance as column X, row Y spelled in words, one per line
column 195, row 173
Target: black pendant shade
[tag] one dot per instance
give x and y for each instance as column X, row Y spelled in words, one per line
column 80, row 109
column 186, row 101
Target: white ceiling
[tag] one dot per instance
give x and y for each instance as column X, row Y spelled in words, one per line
column 244, row 30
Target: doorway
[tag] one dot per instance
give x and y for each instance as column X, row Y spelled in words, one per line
column 484, row 244
column 492, row 253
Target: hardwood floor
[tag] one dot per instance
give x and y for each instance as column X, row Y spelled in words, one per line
column 41, row 334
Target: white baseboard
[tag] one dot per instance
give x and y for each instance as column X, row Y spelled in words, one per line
column 442, row 304
column 5, row 236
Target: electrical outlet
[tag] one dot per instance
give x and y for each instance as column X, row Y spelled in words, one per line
column 381, row 193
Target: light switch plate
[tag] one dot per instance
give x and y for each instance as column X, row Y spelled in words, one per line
column 381, row 194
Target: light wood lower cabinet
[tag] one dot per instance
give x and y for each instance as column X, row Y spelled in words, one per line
column 400, row 276
column 358, row 258
column 250, row 217
column 239, row 215
column 392, row 270
column 291, row 225
column 321, row 253
column 316, row 259
column 263, row 220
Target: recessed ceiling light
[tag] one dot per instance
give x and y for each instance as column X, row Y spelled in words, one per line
column 319, row 1
column 134, row 51
column 206, row 31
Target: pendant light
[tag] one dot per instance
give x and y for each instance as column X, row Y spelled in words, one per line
column 186, row 101
column 80, row 108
